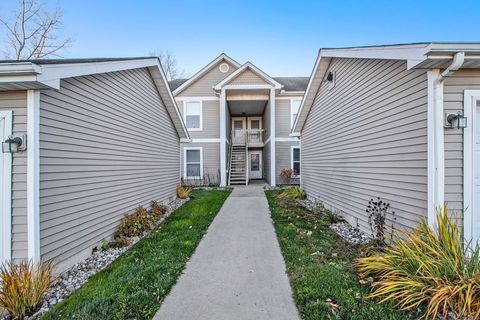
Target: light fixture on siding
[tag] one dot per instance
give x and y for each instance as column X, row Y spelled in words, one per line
column 330, row 77
column 457, row 121
column 14, row 144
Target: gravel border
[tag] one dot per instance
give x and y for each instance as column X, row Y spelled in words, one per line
column 72, row 279
column 343, row 229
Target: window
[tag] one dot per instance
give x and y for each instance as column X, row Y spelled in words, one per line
column 294, row 106
column 193, row 115
column 296, row 161
column 193, row 163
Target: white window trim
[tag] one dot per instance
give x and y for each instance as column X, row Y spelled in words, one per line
column 471, row 216
column 292, row 119
column 291, row 160
column 6, row 196
column 185, row 162
column 185, row 114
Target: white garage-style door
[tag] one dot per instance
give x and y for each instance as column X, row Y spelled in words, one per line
column 5, row 189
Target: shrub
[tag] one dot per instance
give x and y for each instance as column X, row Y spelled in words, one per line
column 157, row 210
column 23, row 286
column 377, row 214
column 292, row 193
column 135, row 224
column 286, row 176
column 183, row 192
column 428, row 266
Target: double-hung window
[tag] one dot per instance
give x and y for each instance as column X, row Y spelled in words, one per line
column 296, row 161
column 294, row 106
column 193, row 163
column 193, row 115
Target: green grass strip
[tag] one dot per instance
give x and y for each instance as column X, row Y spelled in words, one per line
column 134, row 286
column 319, row 265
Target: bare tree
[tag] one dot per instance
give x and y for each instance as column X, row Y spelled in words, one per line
column 169, row 64
column 33, row 32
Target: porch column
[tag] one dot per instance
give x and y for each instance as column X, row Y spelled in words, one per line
column 273, row 171
column 223, row 140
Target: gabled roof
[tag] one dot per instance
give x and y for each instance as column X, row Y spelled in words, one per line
column 425, row 55
column 204, row 70
column 243, row 68
column 46, row 74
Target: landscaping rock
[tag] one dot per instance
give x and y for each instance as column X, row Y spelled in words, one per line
column 349, row 233
column 72, row 279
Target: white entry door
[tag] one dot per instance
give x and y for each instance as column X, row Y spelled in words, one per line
column 238, row 130
column 255, row 165
column 5, row 189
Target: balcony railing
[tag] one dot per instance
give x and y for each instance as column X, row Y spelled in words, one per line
column 250, row 137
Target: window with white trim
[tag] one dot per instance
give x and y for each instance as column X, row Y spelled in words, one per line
column 296, row 161
column 294, row 107
column 193, row 163
column 193, row 115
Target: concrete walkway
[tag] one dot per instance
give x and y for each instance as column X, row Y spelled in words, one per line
column 237, row 271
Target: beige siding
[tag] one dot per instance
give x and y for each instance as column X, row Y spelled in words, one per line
column 211, row 120
column 282, row 116
column 248, row 77
column 203, row 86
column 377, row 143
column 453, row 103
column 283, row 156
column 17, row 102
column 107, row 145
column 211, row 162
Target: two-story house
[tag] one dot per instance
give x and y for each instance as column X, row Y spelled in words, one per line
column 239, row 119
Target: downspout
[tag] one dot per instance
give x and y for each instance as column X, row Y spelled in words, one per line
column 437, row 192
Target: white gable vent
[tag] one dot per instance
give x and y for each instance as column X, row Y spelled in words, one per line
column 224, row 67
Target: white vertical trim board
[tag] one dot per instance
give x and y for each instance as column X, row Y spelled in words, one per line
column 436, row 156
column 223, row 139
column 6, row 192
column 471, row 214
column 273, row 171
column 292, row 118
column 185, row 149
column 33, row 174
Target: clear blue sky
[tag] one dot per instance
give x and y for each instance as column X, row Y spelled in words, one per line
column 280, row 37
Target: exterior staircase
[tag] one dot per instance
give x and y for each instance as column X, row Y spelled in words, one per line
column 238, row 165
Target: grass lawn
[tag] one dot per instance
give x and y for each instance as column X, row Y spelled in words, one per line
column 134, row 286
column 319, row 265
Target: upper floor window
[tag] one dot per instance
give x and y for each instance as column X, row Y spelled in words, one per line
column 193, row 115
column 294, row 107
column 296, row 161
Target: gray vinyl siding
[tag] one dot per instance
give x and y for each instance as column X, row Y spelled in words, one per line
column 376, row 145
column 203, row 86
column 107, row 145
column 211, row 120
column 454, row 88
column 266, row 162
column 283, row 156
column 211, row 161
column 282, row 118
column 248, row 77
column 17, row 102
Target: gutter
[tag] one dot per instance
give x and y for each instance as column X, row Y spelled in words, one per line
column 457, row 62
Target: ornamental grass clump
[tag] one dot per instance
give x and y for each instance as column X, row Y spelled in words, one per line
column 294, row 193
column 22, row 286
column 428, row 267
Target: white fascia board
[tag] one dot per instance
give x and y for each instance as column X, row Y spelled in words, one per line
column 19, row 68
column 204, row 70
column 252, row 67
column 69, row 70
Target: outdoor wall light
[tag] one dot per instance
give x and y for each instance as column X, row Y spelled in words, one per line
column 457, row 121
column 330, row 77
column 14, row 144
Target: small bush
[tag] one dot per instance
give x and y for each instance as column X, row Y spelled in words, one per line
column 328, row 217
column 183, row 192
column 157, row 210
column 294, row 193
column 23, row 286
column 428, row 266
column 286, row 176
